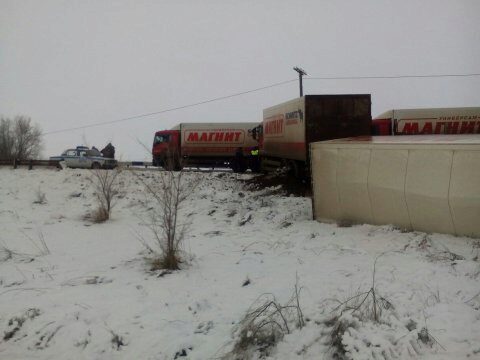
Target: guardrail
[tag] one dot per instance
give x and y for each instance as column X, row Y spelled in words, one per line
column 30, row 163
column 56, row 163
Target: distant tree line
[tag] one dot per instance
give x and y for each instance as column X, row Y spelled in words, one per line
column 19, row 139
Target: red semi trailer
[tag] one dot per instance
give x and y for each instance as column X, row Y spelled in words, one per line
column 202, row 144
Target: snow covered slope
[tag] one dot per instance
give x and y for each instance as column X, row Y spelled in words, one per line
column 92, row 296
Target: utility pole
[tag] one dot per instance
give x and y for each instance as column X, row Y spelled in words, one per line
column 301, row 72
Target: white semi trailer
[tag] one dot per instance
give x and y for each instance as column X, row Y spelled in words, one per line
column 202, row 144
column 428, row 183
column 460, row 120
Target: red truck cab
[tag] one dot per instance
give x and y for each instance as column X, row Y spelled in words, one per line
column 166, row 147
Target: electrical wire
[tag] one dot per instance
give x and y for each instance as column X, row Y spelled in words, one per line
column 254, row 90
column 168, row 110
column 389, row 77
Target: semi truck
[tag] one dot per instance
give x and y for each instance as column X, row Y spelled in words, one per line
column 203, row 144
column 288, row 128
column 460, row 120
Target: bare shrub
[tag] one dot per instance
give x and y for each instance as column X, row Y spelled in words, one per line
column 351, row 313
column 19, row 139
column 117, row 341
column 265, row 323
column 100, row 214
column 337, row 326
column 40, row 197
column 16, row 322
column 168, row 192
column 107, row 190
column 40, row 246
column 5, row 253
column 368, row 304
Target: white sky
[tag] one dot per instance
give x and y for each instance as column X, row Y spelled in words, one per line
column 74, row 63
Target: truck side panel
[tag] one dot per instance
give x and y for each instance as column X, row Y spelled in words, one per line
column 423, row 183
column 284, row 130
column 431, row 121
column 288, row 128
column 215, row 139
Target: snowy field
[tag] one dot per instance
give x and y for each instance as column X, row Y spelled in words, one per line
column 73, row 289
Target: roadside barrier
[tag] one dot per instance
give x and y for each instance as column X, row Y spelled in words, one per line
column 30, row 163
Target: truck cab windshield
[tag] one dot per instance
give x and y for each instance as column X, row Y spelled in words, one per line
column 161, row 139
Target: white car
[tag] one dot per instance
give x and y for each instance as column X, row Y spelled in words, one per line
column 83, row 157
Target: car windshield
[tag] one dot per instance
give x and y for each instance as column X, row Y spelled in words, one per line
column 69, row 152
column 161, row 139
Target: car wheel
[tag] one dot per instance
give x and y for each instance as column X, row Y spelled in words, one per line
column 96, row 165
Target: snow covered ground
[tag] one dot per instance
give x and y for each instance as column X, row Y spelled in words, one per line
column 92, row 296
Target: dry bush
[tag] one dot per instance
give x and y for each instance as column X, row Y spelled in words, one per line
column 351, row 313
column 265, row 323
column 168, row 192
column 368, row 305
column 107, row 190
column 40, row 197
column 16, row 322
column 100, row 214
column 40, row 246
column 337, row 326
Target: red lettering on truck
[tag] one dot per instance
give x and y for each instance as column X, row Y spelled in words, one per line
column 273, row 126
column 440, row 127
column 214, row 136
column 410, row 128
column 192, row 137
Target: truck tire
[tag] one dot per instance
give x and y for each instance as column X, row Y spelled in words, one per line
column 96, row 165
column 296, row 169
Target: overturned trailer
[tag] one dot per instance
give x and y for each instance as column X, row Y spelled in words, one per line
column 426, row 183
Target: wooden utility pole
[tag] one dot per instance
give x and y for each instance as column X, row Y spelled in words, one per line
column 301, row 72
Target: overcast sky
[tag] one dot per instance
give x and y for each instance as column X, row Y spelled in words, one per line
column 73, row 63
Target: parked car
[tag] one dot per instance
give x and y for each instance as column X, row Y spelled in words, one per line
column 83, row 157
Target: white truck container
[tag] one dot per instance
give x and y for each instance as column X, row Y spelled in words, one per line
column 289, row 128
column 215, row 139
column 426, row 183
column 202, row 144
column 460, row 120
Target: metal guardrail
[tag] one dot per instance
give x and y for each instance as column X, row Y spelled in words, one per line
column 30, row 163
column 56, row 163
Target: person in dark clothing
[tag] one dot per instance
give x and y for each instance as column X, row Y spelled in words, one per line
column 108, row 151
column 254, row 160
column 238, row 163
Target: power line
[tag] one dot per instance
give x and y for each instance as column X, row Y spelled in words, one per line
column 390, row 77
column 254, row 90
column 168, row 110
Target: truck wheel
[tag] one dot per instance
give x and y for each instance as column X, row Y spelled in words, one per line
column 96, row 165
column 296, row 169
